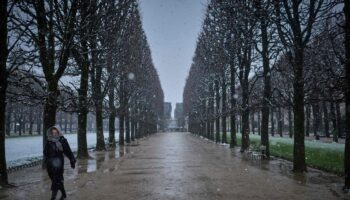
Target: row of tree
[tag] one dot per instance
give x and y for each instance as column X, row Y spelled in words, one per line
column 269, row 56
column 79, row 56
column 22, row 119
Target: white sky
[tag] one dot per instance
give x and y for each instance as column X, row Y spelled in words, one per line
column 172, row 27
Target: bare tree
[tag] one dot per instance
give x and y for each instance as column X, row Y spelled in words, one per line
column 295, row 22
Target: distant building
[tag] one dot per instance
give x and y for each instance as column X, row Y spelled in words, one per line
column 179, row 115
column 167, row 110
column 167, row 115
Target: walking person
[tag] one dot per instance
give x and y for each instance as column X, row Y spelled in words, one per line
column 55, row 147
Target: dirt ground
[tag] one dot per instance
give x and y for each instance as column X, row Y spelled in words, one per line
column 178, row 166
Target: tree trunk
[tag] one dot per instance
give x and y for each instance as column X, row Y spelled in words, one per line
column 211, row 107
column 21, row 121
column 259, row 123
column 98, row 96
column 121, row 128
column 31, row 120
column 308, row 116
column 316, row 120
column 334, row 121
column 8, row 119
column 60, row 114
column 223, row 110
column 252, row 122
column 299, row 164
column 280, row 122
column 263, row 16
column 100, row 142
column 245, row 117
column 127, row 126
column 272, row 123
column 66, row 122
column 339, row 120
column 347, row 96
column 71, row 123
column 290, row 122
column 39, row 121
column 3, row 87
column 207, row 103
column 50, row 108
column 217, row 111
column 82, row 103
column 15, row 121
column 132, row 124
column 325, row 118
column 112, row 116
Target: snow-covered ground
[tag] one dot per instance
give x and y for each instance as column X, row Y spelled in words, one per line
column 21, row 149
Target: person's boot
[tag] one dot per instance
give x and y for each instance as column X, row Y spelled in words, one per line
column 54, row 194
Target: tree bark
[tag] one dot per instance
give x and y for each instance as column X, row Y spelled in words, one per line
column 223, row 110
column 211, row 107
column 207, row 120
column 308, row 116
column 290, row 123
column 252, row 122
column 100, row 143
column 127, row 126
column 31, row 120
column 39, row 121
column 325, row 118
column 132, row 124
column 217, row 111
column 8, row 119
column 245, row 117
column 50, row 108
column 259, row 123
column 299, row 164
column 316, row 120
column 334, row 121
column 272, row 123
column 97, row 92
column 66, row 122
column 347, row 95
column 112, row 116
column 280, row 122
column 3, row 87
column 71, row 123
column 83, row 91
column 121, row 128
column 339, row 120
column 262, row 15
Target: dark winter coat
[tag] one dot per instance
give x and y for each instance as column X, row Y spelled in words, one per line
column 54, row 159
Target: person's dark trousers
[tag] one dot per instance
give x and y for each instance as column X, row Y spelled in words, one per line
column 63, row 191
column 54, row 194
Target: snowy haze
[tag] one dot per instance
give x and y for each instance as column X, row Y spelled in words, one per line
column 172, row 27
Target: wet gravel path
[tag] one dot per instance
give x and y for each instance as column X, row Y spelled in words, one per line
column 178, row 166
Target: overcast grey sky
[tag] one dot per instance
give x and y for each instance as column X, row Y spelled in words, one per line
column 172, row 27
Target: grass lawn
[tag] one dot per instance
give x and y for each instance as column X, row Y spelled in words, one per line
column 325, row 156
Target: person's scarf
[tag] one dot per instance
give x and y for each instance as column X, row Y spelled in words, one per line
column 54, row 139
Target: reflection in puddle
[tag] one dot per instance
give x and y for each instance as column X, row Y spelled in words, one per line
column 100, row 158
column 285, row 168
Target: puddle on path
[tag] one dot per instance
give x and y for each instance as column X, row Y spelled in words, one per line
column 25, row 179
column 284, row 167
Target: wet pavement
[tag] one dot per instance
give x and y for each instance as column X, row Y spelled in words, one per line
column 177, row 166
